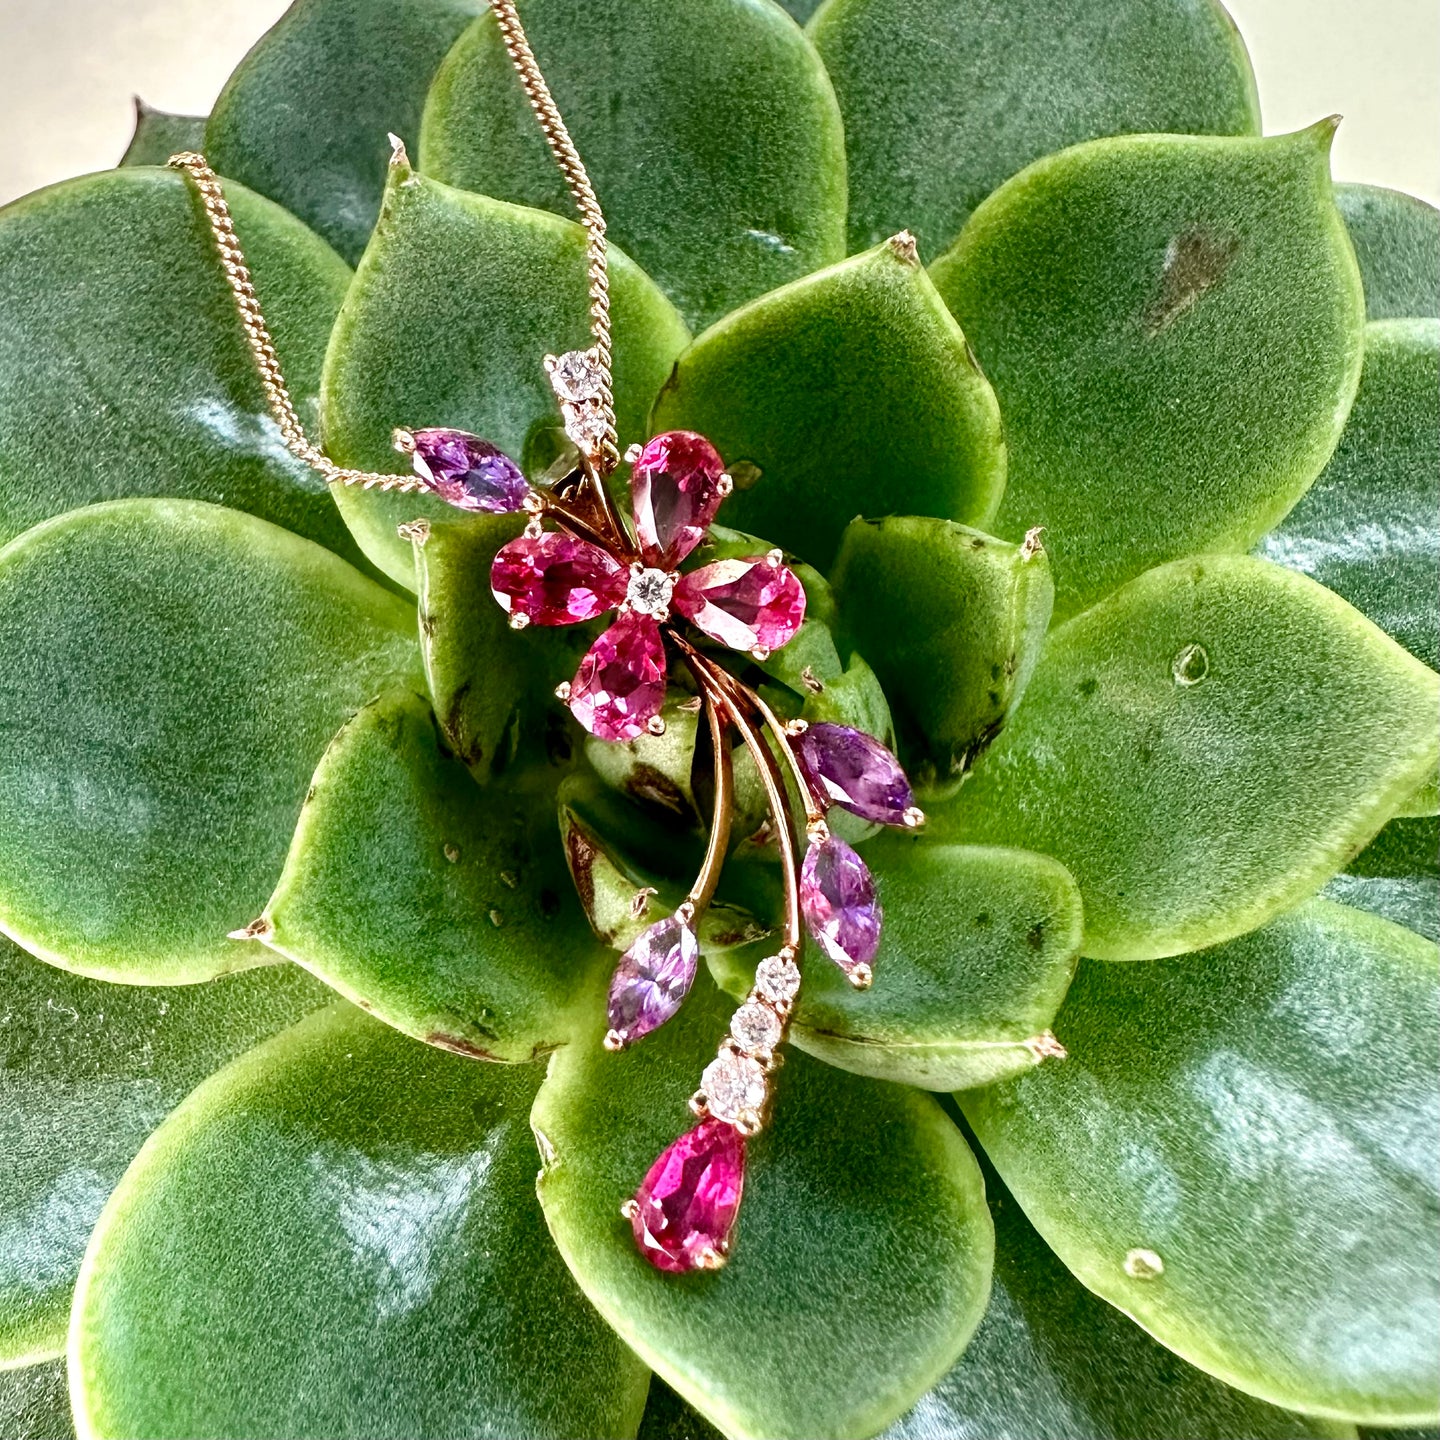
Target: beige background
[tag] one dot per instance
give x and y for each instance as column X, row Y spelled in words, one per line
column 69, row 67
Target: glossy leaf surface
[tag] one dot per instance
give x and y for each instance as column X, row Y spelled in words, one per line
column 34, row 1402
column 1369, row 527
column 1397, row 242
column 1174, row 329
column 123, row 367
column 858, row 1189
column 942, row 102
column 854, row 392
column 172, row 672
column 454, row 307
column 709, row 129
column 1397, row 875
column 159, row 135
column 1237, row 1154
column 1202, row 750
column 87, row 1071
column 356, row 1215
column 304, row 117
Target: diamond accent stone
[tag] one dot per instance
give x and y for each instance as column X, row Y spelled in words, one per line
column 756, row 1029
column 649, row 592
column 585, row 425
column 734, row 1084
column 777, row 979
column 576, row 377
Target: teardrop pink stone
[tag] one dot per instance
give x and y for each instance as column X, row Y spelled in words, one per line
column 751, row 604
column 620, row 685
column 674, row 493
column 556, row 579
column 685, row 1208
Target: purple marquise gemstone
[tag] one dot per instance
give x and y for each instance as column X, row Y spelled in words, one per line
column 469, row 472
column 848, row 768
column 837, row 899
column 653, row 977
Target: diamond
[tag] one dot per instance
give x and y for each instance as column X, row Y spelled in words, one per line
column 684, row 1212
column 585, row 425
column 649, row 592
column 777, row 979
column 733, row 1085
column 652, row 979
column 755, row 1028
column 755, row 604
column 555, row 579
column 576, row 377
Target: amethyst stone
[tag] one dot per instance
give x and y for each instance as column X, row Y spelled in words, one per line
column 654, row 975
column 469, row 472
column 848, row 768
column 837, row 899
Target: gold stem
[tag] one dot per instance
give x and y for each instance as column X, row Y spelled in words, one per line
column 716, row 712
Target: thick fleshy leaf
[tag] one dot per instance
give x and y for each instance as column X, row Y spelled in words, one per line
column 355, row 1215
column 1239, row 1153
column 87, row 1071
column 1203, row 749
column 159, row 135
column 454, row 306
column 859, row 1190
column 977, row 951
column 1369, row 527
column 1398, row 876
column 34, row 1402
column 171, row 673
column 123, row 367
column 709, row 129
column 1173, row 326
column 304, row 117
column 953, row 621
column 854, row 392
column 442, row 908
column 942, row 102
column 1397, row 242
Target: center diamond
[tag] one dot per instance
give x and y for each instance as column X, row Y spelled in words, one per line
column 649, row 592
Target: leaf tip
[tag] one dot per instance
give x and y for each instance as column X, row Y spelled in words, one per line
column 905, row 249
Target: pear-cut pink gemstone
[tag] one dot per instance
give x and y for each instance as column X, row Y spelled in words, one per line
column 755, row 604
column 686, row 1207
column 556, row 579
column 675, row 491
column 620, row 685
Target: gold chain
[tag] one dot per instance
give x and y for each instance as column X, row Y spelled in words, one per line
column 257, row 333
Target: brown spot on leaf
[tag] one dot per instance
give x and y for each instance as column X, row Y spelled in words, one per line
column 457, row 1045
column 581, row 853
column 1194, row 263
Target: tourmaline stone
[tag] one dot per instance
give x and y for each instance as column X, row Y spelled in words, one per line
column 468, row 471
column 620, row 685
column 685, row 1209
column 837, row 899
column 848, row 768
column 755, row 604
column 652, row 979
column 675, row 490
column 556, row 579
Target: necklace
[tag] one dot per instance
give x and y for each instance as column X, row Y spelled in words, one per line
column 588, row 563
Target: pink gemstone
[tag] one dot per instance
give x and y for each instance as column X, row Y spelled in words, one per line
column 675, row 492
column 837, row 899
column 468, row 471
column 745, row 604
column 849, row 768
column 652, row 979
column 555, row 579
column 686, row 1207
column 620, row 685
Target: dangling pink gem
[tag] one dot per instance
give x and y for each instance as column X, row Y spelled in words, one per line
column 620, row 685
column 754, row 604
column 675, row 490
column 842, row 914
column 684, row 1211
column 556, row 579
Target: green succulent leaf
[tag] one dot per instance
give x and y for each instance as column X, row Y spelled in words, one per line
column 1174, row 328
column 87, row 1071
column 1367, row 528
column 978, row 949
column 34, row 1402
column 159, row 135
column 942, row 102
column 355, row 1215
column 171, row 672
column 123, row 367
column 454, row 305
column 1203, row 749
column 1397, row 242
column 1398, row 876
column 954, row 621
column 709, row 129
column 304, row 118
column 854, row 392
column 859, row 1190
column 441, row 907
column 1237, row 1154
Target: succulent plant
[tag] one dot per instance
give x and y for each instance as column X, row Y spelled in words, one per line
column 314, row 890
